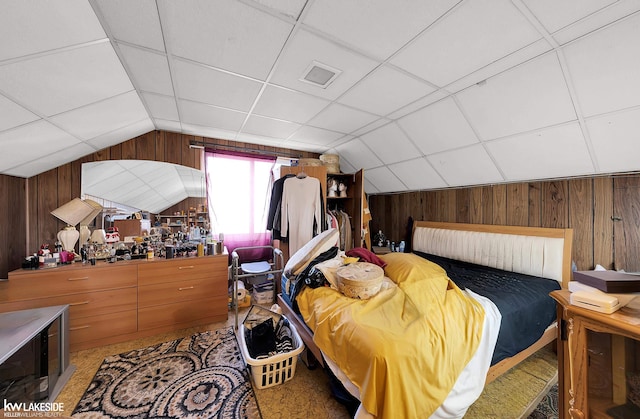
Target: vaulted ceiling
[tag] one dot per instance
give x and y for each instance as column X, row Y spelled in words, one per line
column 427, row 94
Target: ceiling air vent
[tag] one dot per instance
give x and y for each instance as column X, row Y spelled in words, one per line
column 320, row 75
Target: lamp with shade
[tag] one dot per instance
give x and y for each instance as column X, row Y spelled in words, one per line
column 73, row 213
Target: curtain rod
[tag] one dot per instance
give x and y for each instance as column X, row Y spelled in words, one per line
column 202, row 144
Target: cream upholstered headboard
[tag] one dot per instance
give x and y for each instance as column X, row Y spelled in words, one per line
column 544, row 252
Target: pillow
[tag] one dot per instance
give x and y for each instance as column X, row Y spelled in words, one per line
column 314, row 247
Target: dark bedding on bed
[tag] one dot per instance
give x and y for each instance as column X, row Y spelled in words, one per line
column 523, row 300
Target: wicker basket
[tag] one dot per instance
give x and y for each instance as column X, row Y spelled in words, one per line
column 361, row 280
column 332, row 163
column 309, row 162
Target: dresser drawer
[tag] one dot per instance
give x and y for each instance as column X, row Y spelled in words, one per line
column 182, row 312
column 52, row 282
column 83, row 304
column 97, row 327
column 212, row 267
column 173, row 292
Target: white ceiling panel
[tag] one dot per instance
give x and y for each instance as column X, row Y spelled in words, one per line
column 55, row 83
column 204, row 84
column 246, row 137
column 13, row 114
column 136, row 22
column 555, row 152
column 368, row 187
column 378, row 27
column 345, row 167
column 615, row 140
column 303, row 49
column 384, row 180
column 52, row 160
column 269, row 127
column 385, row 90
column 210, row 116
column 419, row 104
column 123, row 134
column 604, row 68
column 556, row 15
column 30, row 141
column 358, row 155
column 239, row 38
column 149, row 71
column 342, row 118
column 315, row 135
column 532, row 95
column 417, row 174
column 287, row 104
column 438, row 127
column 370, row 127
column 467, row 166
column 31, row 26
column 161, row 107
column 390, row 144
column 102, row 117
column 481, row 31
column 165, row 125
column 289, row 8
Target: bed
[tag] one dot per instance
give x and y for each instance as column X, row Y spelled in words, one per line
column 429, row 342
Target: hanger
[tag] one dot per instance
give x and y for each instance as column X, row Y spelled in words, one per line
column 301, row 174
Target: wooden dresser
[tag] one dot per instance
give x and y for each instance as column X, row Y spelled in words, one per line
column 115, row 302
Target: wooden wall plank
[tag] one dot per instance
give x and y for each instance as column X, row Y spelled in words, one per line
column 47, row 201
column 146, row 146
column 499, row 198
column 475, row 205
column 463, row 204
column 602, row 222
column 555, row 212
column 173, row 147
column 535, row 204
column 517, row 204
column 487, row 205
column 581, row 220
column 128, row 149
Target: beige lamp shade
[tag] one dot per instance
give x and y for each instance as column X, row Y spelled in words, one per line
column 97, row 208
column 74, row 211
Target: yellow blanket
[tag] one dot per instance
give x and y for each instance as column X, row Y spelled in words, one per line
column 405, row 347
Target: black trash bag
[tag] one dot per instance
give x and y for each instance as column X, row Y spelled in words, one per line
column 261, row 339
column 316, row 278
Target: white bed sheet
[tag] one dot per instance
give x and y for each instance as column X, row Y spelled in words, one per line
column 469, row 384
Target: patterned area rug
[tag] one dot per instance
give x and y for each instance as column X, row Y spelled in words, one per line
column 201, row 376
column 548, row 406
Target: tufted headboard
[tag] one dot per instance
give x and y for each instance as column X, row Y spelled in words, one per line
column 544, row 252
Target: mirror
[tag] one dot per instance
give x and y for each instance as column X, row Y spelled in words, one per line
column 142, row 184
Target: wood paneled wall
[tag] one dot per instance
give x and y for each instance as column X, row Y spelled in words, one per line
column 584, row 204
column 25, row 204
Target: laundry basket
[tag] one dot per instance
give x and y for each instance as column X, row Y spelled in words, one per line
column 276, row 369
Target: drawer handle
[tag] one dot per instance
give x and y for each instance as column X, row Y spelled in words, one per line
column 78, row 279
column 186, row 267
column 186, row 288
column 79, row 327
column 79, row 303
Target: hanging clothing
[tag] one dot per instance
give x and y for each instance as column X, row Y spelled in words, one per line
column 301, row 211
column 275, row 205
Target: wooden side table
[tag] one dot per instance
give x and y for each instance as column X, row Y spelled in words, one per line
column 598, row 361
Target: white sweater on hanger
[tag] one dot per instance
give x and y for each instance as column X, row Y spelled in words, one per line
column 301, row 206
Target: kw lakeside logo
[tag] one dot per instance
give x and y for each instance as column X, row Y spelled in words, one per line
column 32, row 410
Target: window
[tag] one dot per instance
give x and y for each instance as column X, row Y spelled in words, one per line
column 239, row 189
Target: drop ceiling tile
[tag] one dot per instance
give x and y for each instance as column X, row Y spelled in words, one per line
column 346, row 167
column 13, row 114
column 417, row 174
column 381, row 26
column 492, row 30
column 210, row 132
column 30, row 27
column 55, row 83
column 527, row 97
column 337, row 117
column 615, row 140
column 239, row 38
column 384, row 91
column 149, row 71
column 603, row 68
column 136, row 22
column 120, row 135
column 99, row 118
column 358, row 155
column 303, row 49
column 161, row 107
column 313, row 135
column 210, row 116
column 165, row 125
column 289, row 105
column 467, row 166
column 556, row 15
column 384, row 180
column 369, row 188
column 527, row 156
column 370, row 127
column 269, row 127
column 204, row 84
column 438, row 127
column 390, row 144
column 51, row 161
column 419, row 104
column 295, row 145
column 30, row 142
column 290, row 8
column 246, row 137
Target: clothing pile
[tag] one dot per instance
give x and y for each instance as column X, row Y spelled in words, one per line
column 339, row 220
column 265, row 339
